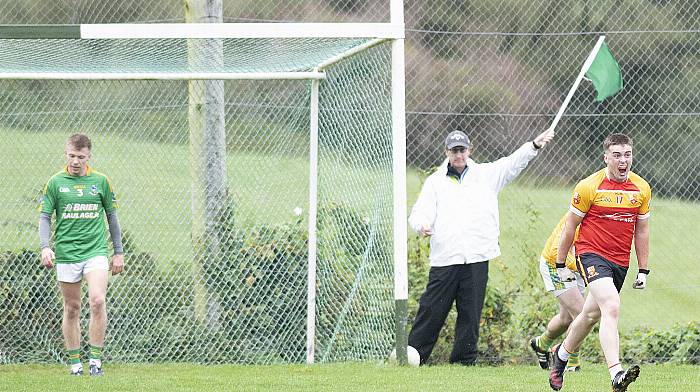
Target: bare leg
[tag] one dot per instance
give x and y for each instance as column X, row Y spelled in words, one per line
column 97, row 290
column 570, row 305
column 582, row 324
column 71, row 314
column 608, row 299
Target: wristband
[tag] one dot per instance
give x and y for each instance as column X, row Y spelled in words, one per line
column 535, row 145
column 644, row 271
column 560, row 265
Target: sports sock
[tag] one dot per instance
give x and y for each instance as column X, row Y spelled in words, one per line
column 96, row 355
column 544, row 342
column 74, row 356
column 573, row 360
column 614, row 369
column 562, row 353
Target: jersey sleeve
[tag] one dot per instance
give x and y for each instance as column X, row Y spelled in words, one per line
column 109, row 199
column 48, row 198
column 645, row 208
column 582, row 199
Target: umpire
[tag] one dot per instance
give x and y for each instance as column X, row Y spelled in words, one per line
column 458, row 209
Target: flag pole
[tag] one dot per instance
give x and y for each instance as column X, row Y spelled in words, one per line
column 584, row 69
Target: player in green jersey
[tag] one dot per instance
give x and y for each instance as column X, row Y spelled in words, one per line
column 81, row 197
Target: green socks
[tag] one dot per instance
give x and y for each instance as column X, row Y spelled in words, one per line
column 96, row 355
column 573, row 360
column 544, row 342
column 74, row 356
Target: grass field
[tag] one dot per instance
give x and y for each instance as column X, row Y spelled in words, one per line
column 152, row 182
column 334, row 377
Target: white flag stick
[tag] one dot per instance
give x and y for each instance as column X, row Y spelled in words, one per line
column 584, row 69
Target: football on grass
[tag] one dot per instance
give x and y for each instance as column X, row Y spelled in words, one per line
column 412, row 353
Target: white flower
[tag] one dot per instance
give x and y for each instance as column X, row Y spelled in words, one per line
column 297, row 211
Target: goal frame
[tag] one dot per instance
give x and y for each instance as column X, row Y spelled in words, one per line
column 379, row 33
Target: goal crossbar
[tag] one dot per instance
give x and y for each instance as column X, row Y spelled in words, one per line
column 163, row 75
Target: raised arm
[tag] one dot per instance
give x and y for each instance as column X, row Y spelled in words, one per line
column 507, row 168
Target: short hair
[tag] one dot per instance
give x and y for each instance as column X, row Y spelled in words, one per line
column 79, row 141
column 616, row 139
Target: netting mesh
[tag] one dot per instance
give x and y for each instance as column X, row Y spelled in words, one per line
column 356, row 221
column 500, row 70
column 215, row 229
column 167, row 55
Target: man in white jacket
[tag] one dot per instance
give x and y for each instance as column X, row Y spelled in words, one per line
column 458, row 209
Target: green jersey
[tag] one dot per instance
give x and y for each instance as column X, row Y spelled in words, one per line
column 80, row 204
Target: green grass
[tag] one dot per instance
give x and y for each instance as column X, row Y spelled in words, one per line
column 674, row 284
column 529, row 213
column 334, row 377
column 152, row 181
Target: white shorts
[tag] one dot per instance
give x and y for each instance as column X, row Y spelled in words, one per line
column 73, row 272
column 556, row 286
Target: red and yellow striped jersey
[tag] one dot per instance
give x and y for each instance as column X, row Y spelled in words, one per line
column 610, row 211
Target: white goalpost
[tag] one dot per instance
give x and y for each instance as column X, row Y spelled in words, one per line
column 276, row 99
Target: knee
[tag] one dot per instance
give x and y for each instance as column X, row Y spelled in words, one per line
column 97, row 304
column 591, row 317
column 71, row 309
column 566, row 318
column 611, row 311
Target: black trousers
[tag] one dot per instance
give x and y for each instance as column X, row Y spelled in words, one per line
column 465, row 283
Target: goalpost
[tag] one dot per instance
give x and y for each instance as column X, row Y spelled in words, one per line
column 227, row 236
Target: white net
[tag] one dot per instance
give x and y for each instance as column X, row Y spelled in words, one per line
column 212, row 179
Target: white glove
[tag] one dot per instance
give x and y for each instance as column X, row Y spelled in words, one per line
column 565, row 274
column 641, row 281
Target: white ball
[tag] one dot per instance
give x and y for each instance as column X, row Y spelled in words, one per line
column 412, row 353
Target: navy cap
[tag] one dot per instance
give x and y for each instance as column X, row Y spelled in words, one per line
column 457, row 139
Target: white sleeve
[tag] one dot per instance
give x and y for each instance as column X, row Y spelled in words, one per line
column 423, row 212
column 504, row 170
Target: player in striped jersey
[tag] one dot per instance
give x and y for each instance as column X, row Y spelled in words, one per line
column 612, row 208
column 569, row 294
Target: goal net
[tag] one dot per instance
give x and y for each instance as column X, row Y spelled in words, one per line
column 254, row 179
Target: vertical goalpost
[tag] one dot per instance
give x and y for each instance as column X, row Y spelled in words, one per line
column 398, row 112
column 378, row 33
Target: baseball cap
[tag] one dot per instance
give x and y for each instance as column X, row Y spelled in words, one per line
column 455, row 139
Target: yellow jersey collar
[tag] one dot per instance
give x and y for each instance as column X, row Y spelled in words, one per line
column 88, row 170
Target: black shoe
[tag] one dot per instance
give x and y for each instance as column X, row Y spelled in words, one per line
column 624, row 378
column 542, row 355
column 556, row 375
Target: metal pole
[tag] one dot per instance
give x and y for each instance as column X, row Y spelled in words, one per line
column 398, row 110
column 313, row 212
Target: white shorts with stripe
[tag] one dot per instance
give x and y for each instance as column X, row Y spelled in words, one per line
column 556, row 286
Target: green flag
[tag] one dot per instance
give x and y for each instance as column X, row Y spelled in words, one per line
column 605, row 74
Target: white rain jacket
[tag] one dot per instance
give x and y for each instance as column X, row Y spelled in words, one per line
column 464, row 215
